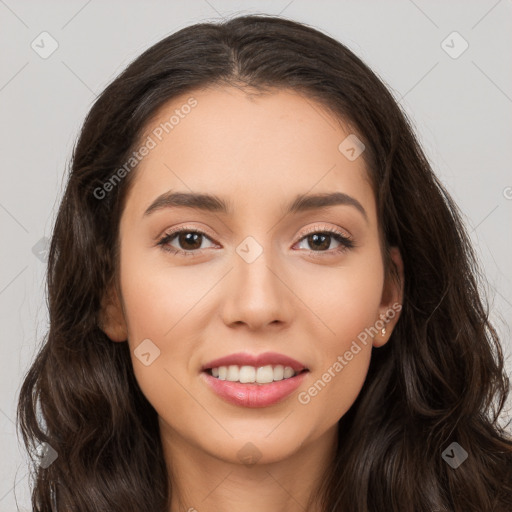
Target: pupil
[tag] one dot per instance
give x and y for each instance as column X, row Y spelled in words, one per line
column 190, row 238
column 322, row 245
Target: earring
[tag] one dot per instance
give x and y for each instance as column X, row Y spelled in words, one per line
column 384, row 318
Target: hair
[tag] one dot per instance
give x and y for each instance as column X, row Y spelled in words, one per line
column 440, row 379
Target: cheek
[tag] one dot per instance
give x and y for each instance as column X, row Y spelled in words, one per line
column 171, row 307
column 158, row 296
column 167, row 308
column 332, row 390
column 161, row 306
column 345, row 298
column 335, row 383
column 348, row 304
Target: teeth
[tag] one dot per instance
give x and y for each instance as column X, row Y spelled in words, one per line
column 264, row 374
column 288, row 372
column 245, row 374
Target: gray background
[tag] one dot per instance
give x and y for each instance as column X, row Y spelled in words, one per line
column 460, row 107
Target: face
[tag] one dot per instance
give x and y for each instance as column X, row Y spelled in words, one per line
column 198, row 282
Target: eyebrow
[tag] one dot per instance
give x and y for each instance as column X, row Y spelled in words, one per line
column 216, row 204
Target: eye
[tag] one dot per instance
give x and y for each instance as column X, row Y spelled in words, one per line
column 319, row 240
column 189, row 241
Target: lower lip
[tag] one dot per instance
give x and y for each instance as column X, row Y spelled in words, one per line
column 254, row 395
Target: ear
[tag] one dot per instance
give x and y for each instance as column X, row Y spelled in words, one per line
column 111, row 316
column 392, row 297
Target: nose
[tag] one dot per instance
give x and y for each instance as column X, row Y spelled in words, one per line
column 257, row 295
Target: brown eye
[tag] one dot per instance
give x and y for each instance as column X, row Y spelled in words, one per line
column 320, row 241
column 189, row 242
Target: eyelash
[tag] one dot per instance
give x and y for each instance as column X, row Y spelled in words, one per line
column 346, row 242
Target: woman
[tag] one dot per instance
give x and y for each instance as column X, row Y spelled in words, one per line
column 261, row 297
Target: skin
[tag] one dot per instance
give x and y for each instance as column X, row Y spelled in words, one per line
column 258, row 152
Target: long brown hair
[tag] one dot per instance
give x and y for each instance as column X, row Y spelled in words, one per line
column 439, row 380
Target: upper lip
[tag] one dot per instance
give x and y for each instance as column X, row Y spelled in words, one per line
column 256, row 360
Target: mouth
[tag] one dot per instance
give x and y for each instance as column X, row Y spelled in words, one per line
column 254, row 380
column 247, row 368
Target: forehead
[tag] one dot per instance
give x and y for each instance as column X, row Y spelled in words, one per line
column 247, row 147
